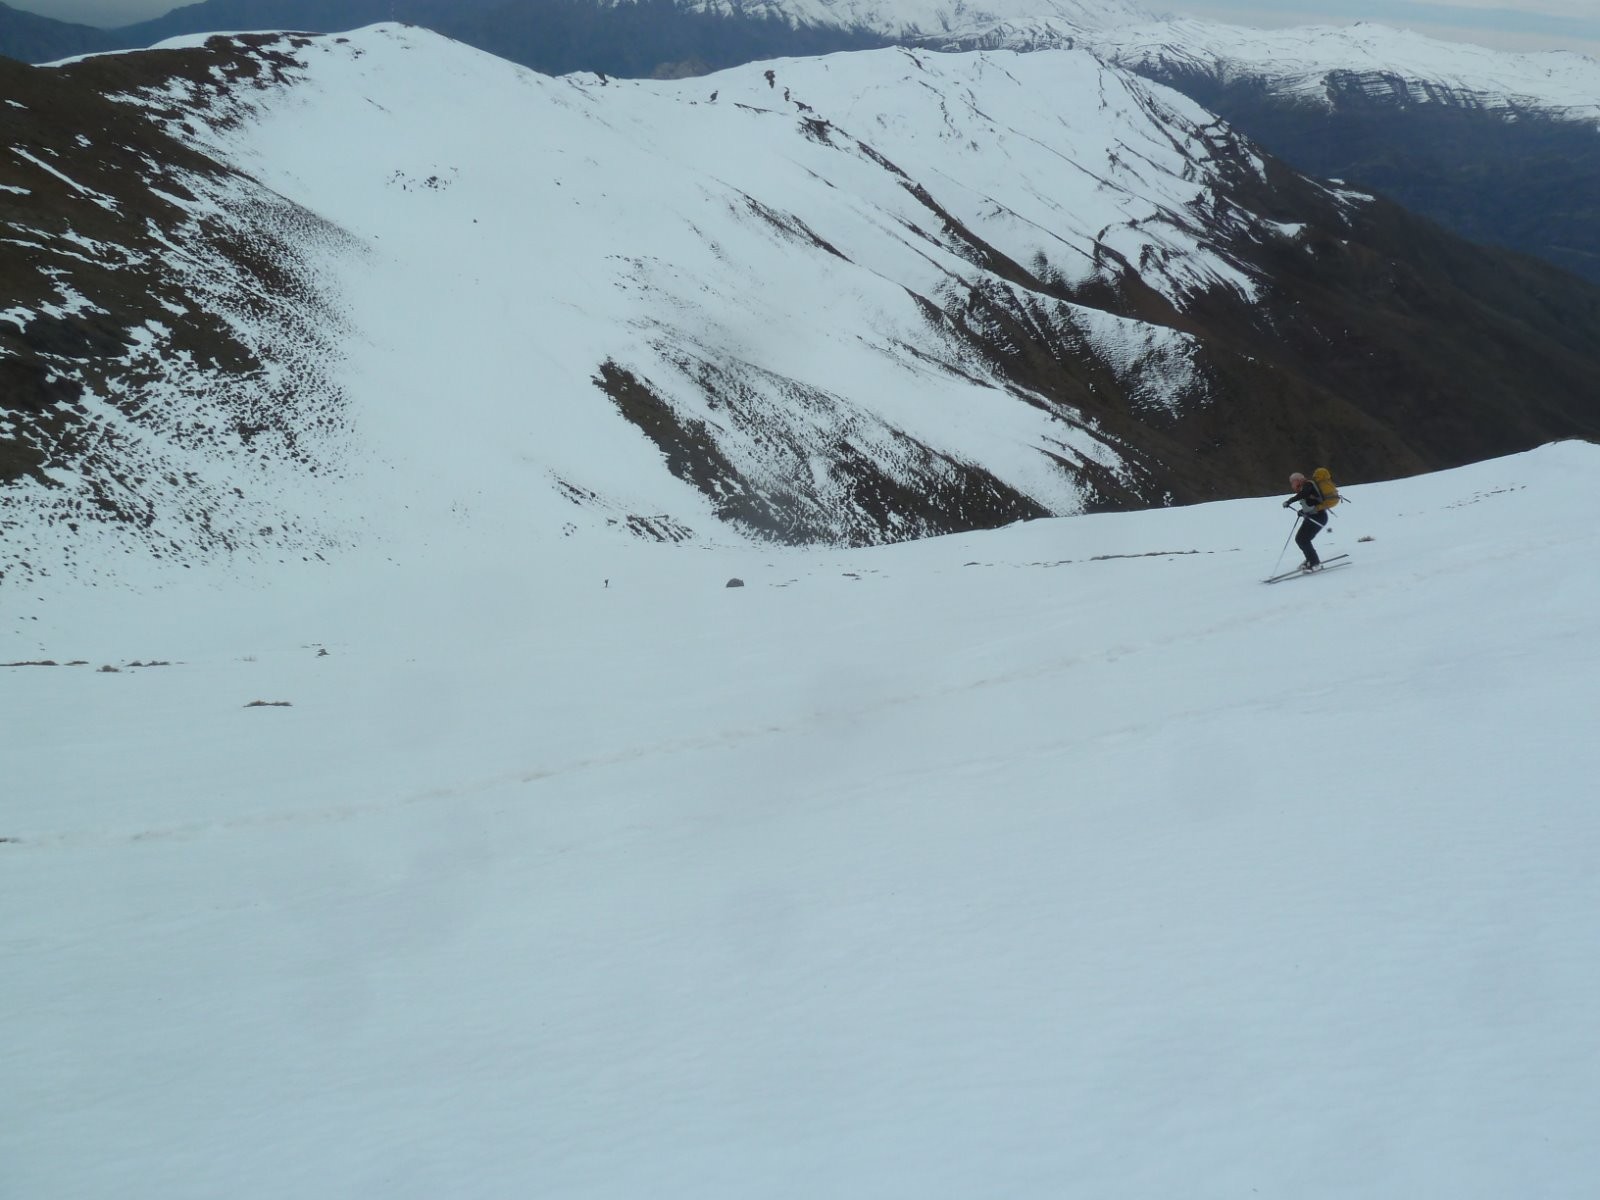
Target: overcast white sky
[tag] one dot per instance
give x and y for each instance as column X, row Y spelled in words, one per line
column 1506, row 24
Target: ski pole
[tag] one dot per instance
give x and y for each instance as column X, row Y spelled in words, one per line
column 1292, row 528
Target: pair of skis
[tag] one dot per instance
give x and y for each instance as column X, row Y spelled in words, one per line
column 1328, row 564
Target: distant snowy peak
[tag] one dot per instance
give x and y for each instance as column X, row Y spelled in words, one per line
column 1315, row 63
column 913, row 19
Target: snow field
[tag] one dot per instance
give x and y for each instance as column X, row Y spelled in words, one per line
column 975, row 866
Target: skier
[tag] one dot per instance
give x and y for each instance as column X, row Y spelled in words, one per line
column 1312, row 517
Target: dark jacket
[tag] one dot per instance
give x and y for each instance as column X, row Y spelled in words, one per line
column 1310, row 498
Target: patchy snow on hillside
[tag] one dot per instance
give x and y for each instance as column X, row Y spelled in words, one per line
column 181, row 455
column 759, row 247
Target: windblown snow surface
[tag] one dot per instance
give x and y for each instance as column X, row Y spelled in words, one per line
column 492, row 856
column 1061, row 859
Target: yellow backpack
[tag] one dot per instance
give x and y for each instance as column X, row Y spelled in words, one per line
column 1323, row 478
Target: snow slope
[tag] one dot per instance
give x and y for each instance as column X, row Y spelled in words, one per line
column 488, row 856
column 1062, row 859
column 775, row 251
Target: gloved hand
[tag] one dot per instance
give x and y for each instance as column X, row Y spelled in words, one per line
column 1288, row 502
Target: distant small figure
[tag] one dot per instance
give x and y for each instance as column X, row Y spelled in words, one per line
column 1313, row 518
column 713, row 97
column 608, row 583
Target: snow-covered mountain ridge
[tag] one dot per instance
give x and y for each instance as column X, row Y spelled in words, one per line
column 1497, row 147
column 758, row 290
column 1296, row 61
column 859, row 298
column 1300, row 62
column 1494, row 146
column 1313, row 64
column 1501, row 148
column 909, row 19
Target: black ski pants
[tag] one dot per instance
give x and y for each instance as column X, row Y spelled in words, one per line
column 1311, row 524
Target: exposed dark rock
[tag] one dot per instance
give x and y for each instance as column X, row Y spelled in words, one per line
column 1523, row 181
